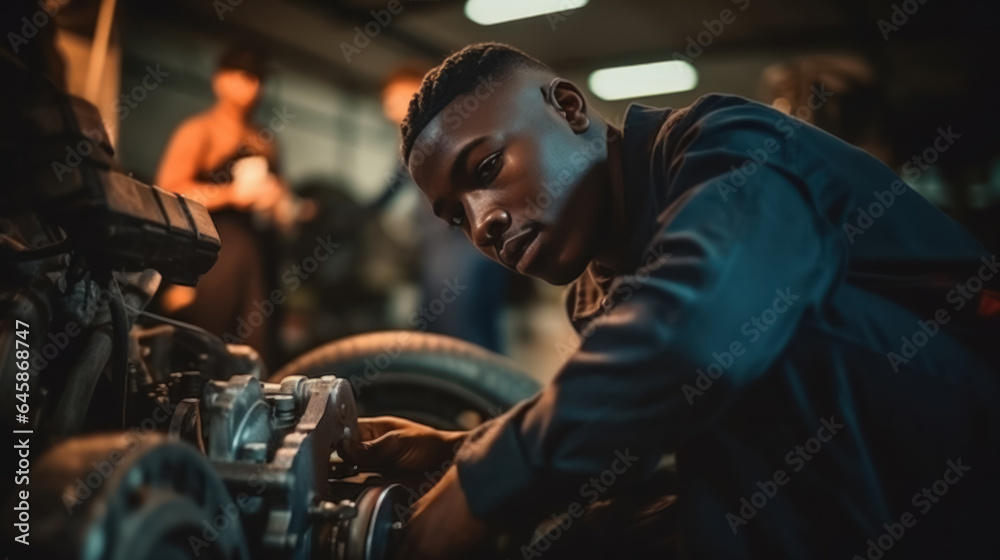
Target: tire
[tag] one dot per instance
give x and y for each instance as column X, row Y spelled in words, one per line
column 434, row 379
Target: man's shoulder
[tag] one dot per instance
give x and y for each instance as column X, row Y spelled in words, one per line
column 196, row 126
column 713, row 103
column 719, row 110
column 717, row 121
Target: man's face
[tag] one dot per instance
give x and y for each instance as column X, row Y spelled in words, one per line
column 519, row 173
column 237, row 87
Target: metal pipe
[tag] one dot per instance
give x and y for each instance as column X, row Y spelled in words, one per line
column 80, row 383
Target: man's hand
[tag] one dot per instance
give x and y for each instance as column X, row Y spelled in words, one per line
column 391, row 445
column 268, row 193
column 442, row 527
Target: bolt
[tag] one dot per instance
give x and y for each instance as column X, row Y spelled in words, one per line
column 191, row 384
column 284, row 409
column 329, row 511
column 254, row 452
column 282, row 403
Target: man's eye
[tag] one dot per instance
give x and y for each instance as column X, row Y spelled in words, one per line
column 489, row 168
column 455, row 221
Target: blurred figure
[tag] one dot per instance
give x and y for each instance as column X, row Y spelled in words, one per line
column 397, row 91
column 842, row 95
column 446, row 258
column 225, row 161
column 836, row 92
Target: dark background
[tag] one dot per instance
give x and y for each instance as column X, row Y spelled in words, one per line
column 937, row 70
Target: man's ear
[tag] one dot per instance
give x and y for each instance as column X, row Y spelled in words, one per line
column 568, row 99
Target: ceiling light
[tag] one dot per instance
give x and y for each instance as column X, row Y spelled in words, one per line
column 643, row 80
column 490, row 12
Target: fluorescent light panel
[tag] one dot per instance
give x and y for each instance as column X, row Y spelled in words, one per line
column 643, row 80
column 491, row 12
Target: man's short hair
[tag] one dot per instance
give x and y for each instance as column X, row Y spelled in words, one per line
column 459, row 74
column 246, row 58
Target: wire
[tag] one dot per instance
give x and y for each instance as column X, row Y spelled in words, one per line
column 120, row 346
column 169, row 321
column 57, row 248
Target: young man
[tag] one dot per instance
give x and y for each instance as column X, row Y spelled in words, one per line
column 814, row 340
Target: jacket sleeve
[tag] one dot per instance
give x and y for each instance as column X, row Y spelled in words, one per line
column 741, row 257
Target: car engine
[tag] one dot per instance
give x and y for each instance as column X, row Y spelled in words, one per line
column 138, row 436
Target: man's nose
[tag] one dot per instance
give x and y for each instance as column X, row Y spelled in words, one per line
column 490, row 227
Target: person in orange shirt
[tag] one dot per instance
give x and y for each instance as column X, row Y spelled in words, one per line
column 224, row 160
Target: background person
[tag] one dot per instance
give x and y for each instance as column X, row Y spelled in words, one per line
column 224, row 160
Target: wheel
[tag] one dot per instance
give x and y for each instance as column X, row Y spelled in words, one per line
column 438, row 380
column 132, row 495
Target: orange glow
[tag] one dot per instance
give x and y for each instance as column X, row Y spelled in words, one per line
column 396, row 97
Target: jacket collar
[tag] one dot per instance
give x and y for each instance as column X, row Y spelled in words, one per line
column 642, row 124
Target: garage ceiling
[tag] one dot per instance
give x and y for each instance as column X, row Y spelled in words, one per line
column 943, row 54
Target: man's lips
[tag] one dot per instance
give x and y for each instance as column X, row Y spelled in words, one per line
column 513, row 250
